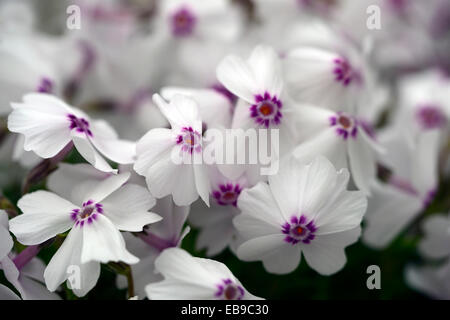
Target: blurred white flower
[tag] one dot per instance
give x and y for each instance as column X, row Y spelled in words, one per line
column 101, row 210
column 410, row 188
column 190, row 278
column 305, row 209
column 431, row 280
column 436, row 241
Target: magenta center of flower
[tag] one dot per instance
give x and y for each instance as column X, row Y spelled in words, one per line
column 190, row 140
column 344, row 72
column 345, row 124
column 79, row 124
column 227, row 194
column 183, row 22
column 431, row 117
column 228, row 290
column 266, row 110
column 87, row 214
column 299, row 229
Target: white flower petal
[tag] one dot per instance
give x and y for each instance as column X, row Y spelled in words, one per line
column 237, row 76
column 102, row 242
column 282, row 261
column 327, row 144
column 326, row 254
column 172, row 289
column 97, row 191
column 45, row 134
column 362, row 163
column 257, row 248
column 259, row 203
column 66, row 262
column 202, row 184
column 63, row 180
column 44, row 216
column 6, row 242
column 266, row 68
column 182, row 111
column 151, row 147
column 127, row 208
column 88, row 152
column 389, row 212
column 177, row 264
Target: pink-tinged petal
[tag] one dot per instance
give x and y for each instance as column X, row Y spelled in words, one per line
column 88, row 152
column 151, row 147
column 102, row 242
column 127, row 208
column 44, row 216
column 265, row 65
column 282, row 261
column 362, row 163
column 238, row 77
column 66, row 262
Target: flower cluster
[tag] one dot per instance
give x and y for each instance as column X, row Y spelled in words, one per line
column 106, row 122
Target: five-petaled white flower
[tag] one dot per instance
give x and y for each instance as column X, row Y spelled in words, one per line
column 94, row 216
column 171, row 159
column 49, row 125
column 306, row 209
column 190, row 278
column 258, row 83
